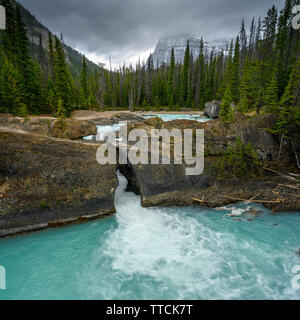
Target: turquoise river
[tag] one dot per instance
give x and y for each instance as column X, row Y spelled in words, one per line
column 158, row 253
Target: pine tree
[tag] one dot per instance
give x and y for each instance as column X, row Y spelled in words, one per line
column 84, row 92
column 235, row 75
column 244, row 42
column 63, row 84
column 271, row 95
column 289, row 117
column 269, row 25
column 150, row 71
column 210, row 85
column 11, row 90
column 51, row 58
column 226, row 113
column 282, row 46
column 30, row 73
column 251, row 49
column 290, row 100
column 258, row 37
column 185, row 75
column 171, row 75
column 202, row 76
column 245, row 87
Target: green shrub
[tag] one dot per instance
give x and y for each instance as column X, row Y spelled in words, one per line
column 240, row 161
column 61, row 110
column 44, row 205
column 22, row 112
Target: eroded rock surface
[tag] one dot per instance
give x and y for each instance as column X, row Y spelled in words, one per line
column 52, row 127
column 46, row 182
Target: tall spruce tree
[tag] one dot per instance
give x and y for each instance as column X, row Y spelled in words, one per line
column 235, row 75
column 29, row 72
column 84, row 91
column 202, row 76
column 185, row 75
column 171, row 94
column 271, row 94
column 63, row 83
column 226, row 112
column 11, row 90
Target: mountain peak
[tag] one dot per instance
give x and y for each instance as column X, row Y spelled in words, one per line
column 165, row 44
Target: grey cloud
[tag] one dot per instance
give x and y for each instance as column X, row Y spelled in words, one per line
column 122, row 28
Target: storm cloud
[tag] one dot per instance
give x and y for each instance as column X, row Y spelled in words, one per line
column 127, row 29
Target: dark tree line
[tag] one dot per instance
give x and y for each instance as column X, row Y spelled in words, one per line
column 252, row 73
column 43, row 83
column 259, row 71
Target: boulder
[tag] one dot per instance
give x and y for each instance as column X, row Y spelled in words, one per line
column 212, row 109
column 73, row 129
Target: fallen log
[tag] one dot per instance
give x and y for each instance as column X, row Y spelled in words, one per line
column 294, row 175
column 284, row 176
column 249, row 200
column 290, row 186
column 198, row 200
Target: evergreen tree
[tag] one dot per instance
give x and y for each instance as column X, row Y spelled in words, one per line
column 171, row 76
column 251, row 49
column 11, row 90
column 290, row 101
column 202, row 76
column 63, row 84
column 282, row 46
column 271, row 95
column 185, row 75
column 84, row 92
column 235, row 75
column 150, row 71
column 51, row 57
column 244, row 42
column 31, row 81
column 245, row 87
column 226, row 112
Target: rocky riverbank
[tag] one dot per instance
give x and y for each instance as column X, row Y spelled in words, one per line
column 48, row 177
column 168, row 185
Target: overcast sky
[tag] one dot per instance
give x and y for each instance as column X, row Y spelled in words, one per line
column 127, row 29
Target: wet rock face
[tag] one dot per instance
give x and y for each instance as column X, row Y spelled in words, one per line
column 58, row 128
column 164, row 185
column 46, row 182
